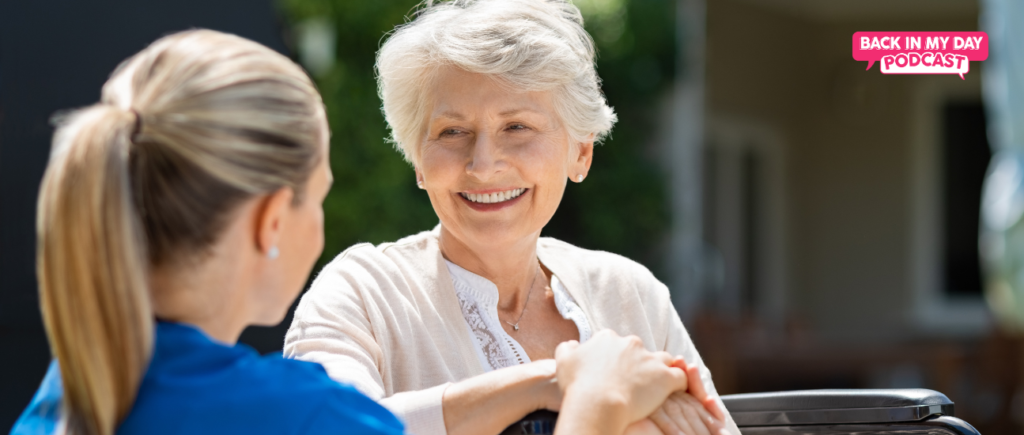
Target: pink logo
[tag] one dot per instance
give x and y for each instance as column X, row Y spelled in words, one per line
column 921, row 52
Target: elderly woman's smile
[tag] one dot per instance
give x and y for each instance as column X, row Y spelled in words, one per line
column 495, row 159
column 491, row 196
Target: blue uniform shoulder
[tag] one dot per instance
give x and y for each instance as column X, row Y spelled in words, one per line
column 43, row 413
column 256, row 395
column 195, row 386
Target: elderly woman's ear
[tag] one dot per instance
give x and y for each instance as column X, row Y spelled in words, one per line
column 419, row 177
column 581, row 157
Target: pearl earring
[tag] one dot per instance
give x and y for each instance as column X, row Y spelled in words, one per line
column 579, row 178
column 419, row 183
column 273, row 253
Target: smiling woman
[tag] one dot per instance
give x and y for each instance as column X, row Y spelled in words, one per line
column 497, row 105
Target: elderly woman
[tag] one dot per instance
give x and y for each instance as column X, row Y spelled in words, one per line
column 496, row 103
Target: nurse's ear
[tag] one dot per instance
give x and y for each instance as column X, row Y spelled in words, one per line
column 270, row 218
column 581, row 155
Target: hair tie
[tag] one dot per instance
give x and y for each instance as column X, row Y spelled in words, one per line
column 138, row 124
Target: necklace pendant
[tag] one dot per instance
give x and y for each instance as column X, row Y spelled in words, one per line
column 516, row 327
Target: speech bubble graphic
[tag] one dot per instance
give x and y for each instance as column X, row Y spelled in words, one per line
column 921, row 52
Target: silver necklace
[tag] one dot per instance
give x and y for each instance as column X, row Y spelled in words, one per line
column 515, row 326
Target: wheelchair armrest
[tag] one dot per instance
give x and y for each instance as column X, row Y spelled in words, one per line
column 940, row 425
column 819, row 412
column 836, row 407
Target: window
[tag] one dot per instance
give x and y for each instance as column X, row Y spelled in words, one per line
column 948, row 159
column 966, row 156
column 743, row 207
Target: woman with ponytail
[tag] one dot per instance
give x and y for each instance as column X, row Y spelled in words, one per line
column 186, row 206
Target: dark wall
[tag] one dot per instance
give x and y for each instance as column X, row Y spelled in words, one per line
column 56, row 54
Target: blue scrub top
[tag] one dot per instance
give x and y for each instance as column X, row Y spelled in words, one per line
column 197, row 386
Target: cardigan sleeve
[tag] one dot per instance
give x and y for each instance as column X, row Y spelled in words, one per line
column 678, row 342
column 333, row 328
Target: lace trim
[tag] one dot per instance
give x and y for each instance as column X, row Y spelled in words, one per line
column 478, row 300
column 489, row 349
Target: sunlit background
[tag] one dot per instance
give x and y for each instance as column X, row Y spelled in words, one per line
column 817, row 223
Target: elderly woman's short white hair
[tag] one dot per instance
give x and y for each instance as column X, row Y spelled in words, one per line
column 530, row 45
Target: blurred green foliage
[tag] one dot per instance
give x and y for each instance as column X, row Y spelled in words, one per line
column 622, row 207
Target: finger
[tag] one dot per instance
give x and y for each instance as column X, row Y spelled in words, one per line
column 635, row 341
column 700, row 393
column 668, row 359
column 664, row 422
column 696, row 385
column 693, row 411
column 674, row 410
column 712, row 420
column 714, row 424
column 677, row 379
column 564, row 348
column 711, row 405
column 696, row 388
column 679, row 362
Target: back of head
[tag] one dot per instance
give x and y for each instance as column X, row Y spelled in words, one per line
column 186, row 130
column 529, row 45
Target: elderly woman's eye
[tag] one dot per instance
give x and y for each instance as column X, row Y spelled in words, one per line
column 450, row 132
column 517, row 127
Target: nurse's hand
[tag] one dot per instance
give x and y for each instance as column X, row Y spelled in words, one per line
column 611, row 382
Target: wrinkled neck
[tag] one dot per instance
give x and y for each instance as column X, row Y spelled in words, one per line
column 514, row 269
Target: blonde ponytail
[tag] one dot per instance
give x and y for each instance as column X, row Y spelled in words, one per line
column 187, row 129
column 92, row 263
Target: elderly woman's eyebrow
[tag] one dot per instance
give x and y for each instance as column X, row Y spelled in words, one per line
column 513, row 112
column 504, row 114
column 452, row 115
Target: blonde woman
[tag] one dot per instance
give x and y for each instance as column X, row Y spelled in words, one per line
column 185, row 206
column 497, row 105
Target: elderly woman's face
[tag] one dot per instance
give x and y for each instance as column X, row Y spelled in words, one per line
column 494, row 161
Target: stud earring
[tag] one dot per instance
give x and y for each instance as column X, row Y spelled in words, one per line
column 273, row 253
column 419, row 183
column 579, row 178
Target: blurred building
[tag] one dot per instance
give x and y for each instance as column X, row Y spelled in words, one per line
column 839, row 211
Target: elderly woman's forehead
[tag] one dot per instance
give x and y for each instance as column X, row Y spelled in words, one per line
column 466, row 101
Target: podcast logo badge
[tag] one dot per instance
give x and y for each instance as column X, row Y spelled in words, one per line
column 921, row 52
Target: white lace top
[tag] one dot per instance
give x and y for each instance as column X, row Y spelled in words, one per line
column 478, row 298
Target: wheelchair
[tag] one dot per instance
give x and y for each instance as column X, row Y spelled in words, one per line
column 914, row 411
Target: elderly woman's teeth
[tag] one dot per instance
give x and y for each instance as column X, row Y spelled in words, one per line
column 490, row 198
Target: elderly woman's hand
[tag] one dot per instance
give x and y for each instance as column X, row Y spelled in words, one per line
column 693, row 412
column 684, row 414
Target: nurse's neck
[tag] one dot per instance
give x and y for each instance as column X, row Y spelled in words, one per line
column 212, row 292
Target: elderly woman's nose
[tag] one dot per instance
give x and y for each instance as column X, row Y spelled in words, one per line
column 486, row 160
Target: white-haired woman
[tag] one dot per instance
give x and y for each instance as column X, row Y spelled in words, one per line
column 496, row 104
column 184, row 207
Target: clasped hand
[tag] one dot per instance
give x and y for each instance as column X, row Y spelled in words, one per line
column 643, row 392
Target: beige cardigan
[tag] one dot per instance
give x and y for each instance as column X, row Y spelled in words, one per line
column 386, row 320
